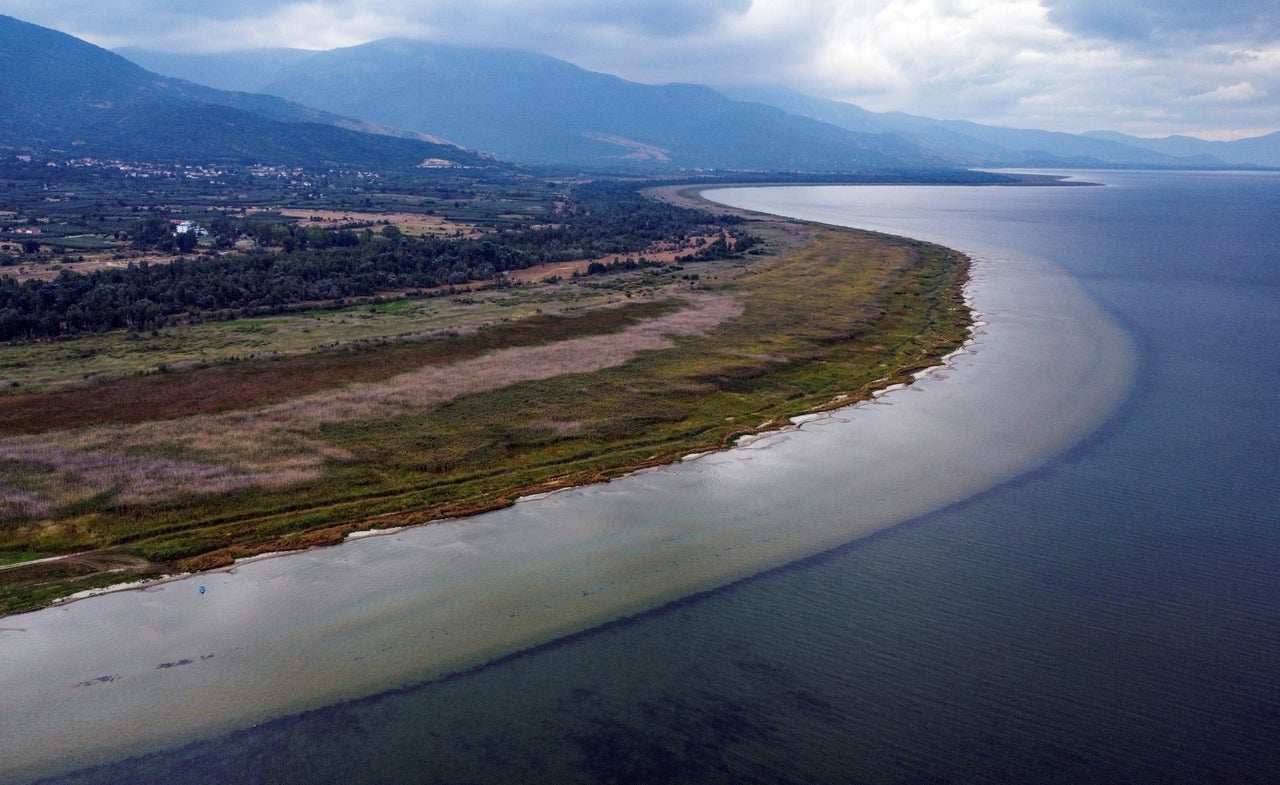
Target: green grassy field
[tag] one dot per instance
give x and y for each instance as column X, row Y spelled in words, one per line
column 44, row 366
column 199, row 444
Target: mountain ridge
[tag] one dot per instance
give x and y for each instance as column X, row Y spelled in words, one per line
column 62, row 93
column 400, row 102
column 1254, row 151
column 533, row 108
column 987, row 145
column 389, row 65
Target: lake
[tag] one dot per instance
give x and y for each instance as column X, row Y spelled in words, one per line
column 1055, row 560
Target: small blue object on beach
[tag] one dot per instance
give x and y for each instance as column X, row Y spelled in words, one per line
column 202, row 590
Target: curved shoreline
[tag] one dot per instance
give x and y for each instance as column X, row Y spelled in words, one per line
column 275, row 636
column 794, row 423
column 496, row 442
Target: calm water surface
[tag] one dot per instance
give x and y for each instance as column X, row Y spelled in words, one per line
column 1108, row 617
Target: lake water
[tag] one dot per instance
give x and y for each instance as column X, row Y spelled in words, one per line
column 1085, row 588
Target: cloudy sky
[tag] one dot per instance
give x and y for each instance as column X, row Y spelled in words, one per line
column 1210, row 68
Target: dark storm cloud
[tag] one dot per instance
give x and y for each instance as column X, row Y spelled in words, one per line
column 124, row 21
column 649, row 17
column 499, row 21
column 1242, row 21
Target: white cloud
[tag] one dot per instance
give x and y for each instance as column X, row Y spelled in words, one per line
column 1228, row 94
column 931, row 47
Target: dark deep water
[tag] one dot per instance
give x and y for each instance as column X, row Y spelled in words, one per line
column 1111, row 617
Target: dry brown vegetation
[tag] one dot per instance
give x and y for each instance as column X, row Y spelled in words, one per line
column 665, row 253
column 276, row 444
column 187, row 468
column 84, row 262
column 417, row 224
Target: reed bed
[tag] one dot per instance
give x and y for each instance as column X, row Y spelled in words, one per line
column 300, row 451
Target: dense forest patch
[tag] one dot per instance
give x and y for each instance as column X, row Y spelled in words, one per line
column 291, row 264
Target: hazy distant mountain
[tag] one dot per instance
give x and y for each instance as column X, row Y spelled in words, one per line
column 530, row 107
column 1257, row 151
column 61, row 93
column 936, row 140
column 1032, row 146
column 985, row 145
column 248, row 71
column 534, row 108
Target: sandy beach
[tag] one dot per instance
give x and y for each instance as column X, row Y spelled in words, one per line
column 169, row 662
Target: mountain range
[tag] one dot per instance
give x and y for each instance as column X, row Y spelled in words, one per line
column 533, row 108
column 398, row 102
column 1255, row 151
column 528, row 107
column 987, row 145
column 63, row 94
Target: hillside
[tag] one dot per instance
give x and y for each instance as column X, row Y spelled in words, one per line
column 1255, row 151
column 533, row 108
column 530, row 107
column 975, row 144
column 63, row 94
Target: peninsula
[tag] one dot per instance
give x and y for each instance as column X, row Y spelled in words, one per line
column 135, row 453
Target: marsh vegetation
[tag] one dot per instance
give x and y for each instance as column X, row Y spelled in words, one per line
column 207, row 439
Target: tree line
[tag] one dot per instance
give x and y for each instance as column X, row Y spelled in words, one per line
column 324, row 265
